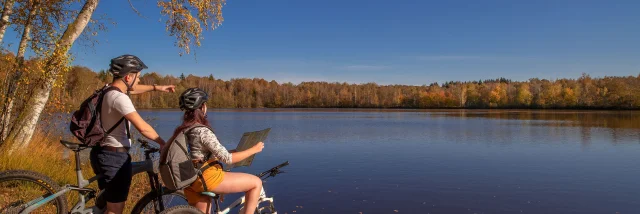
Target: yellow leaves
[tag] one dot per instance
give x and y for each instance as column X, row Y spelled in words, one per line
column 182, row 24
column 498, row 95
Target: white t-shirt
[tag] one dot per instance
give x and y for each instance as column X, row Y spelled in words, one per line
column 115, row 105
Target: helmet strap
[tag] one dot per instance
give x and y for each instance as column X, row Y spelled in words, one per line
column 125, row 83
column 130, row 86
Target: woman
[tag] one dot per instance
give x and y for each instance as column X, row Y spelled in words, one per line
column 206, row 150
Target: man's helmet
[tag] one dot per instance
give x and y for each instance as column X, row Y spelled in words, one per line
column 125, row 64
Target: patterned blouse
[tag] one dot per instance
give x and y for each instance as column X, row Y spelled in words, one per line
column 205, row 145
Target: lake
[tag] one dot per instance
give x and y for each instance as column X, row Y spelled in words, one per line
column 439, row 161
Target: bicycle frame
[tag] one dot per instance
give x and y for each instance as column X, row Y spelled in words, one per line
column 241, row 201
column 156, row 186
column 87, row 193
column 263, row 195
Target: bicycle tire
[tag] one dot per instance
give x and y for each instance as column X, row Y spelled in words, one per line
column 150, row 197
column 182, row 209
column 41, row 180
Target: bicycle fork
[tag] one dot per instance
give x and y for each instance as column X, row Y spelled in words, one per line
column 154, row 182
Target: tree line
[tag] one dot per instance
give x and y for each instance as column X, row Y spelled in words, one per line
column 584, row 92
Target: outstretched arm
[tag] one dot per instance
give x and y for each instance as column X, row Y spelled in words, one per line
column 211, row 142
column 139, row 89
column 239, row 156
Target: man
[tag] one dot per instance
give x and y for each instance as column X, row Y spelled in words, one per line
column 111, row 158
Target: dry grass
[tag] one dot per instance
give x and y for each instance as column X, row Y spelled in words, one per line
column 49, row 157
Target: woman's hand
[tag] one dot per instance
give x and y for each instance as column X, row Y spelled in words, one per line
column 241, row 155
column 258, row 147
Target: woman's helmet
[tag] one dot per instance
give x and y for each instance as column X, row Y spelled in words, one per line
column 193, row 98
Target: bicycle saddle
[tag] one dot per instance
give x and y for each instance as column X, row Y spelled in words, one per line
column 73, row 146
column 210, row 194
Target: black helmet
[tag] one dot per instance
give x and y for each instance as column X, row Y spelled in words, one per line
column 125, row 64
column 193, row 98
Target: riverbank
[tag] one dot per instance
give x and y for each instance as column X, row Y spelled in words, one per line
column 47, row 156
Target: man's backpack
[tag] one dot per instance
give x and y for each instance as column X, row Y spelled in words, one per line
column 176, row 166
column 86, row 123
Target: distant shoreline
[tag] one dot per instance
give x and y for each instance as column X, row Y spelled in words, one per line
column 395, row 109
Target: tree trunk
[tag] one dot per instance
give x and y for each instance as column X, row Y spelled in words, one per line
column 463, row 96
column 4, row 21
column 15, row 78
column 25, row 124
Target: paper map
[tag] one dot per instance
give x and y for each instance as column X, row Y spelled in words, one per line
column 248, row 140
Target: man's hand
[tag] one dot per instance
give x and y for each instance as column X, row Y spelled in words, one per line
column 166, row 88
column 160, row 142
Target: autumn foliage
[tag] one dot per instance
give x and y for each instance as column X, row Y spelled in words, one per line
column 584, row 92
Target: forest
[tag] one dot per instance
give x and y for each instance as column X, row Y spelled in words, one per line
column 584, row 92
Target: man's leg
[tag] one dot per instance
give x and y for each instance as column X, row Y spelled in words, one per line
column 115, row 208
column 117, row 167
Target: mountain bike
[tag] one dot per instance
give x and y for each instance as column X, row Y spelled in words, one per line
column 23, row 191
column 267, row 201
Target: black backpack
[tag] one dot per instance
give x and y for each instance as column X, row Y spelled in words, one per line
column 86, row 123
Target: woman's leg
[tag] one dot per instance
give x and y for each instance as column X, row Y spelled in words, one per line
column 242, row 182
column 196, row 199
column 203, row 204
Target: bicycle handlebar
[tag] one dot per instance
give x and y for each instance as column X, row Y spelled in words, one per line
column 282, row 165
column 273, row 171
column 145, row 144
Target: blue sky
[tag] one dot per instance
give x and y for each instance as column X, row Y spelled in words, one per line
column 388, row 42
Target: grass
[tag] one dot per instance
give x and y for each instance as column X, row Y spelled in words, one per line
column 47, row 156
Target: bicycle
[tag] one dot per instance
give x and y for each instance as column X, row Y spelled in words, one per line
column 269, row 208
column 49, row 198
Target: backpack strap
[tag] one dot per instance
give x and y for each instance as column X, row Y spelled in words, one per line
column 196, row 166
column 197, row 125
column 128, row 129
column 186, row 131
column 114, row 127
column 105, row 90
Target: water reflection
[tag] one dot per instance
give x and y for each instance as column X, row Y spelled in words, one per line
column 620, row 126
column 564, row 118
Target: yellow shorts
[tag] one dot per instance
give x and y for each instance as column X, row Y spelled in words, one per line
column 213, row 177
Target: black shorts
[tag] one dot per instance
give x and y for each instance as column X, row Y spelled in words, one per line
column 116, row 168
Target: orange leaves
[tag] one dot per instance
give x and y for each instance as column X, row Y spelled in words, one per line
column 498, row 95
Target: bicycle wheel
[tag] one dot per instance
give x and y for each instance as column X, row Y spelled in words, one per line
column 182, row 209
column 19, row 187
column 149, row 202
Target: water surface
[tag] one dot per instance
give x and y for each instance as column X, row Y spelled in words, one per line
column 453, row 161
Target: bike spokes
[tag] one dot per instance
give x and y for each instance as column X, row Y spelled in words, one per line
column 16, row 195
